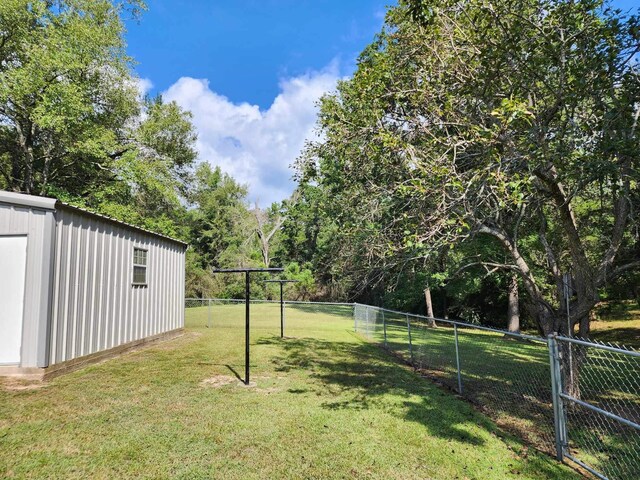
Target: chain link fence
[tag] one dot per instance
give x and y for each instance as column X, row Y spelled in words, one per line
column 581, row 402
column 230, row 313
column 598, row 404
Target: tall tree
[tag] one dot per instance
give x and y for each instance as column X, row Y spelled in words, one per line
column 153, row 173
column 66, row 94
column 219, row 215
column 512, row 120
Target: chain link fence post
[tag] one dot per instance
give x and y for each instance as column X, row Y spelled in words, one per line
column 384, row 329
column 455, row 336
column 410, row 343
column 209, row 313
column 366, row 321
column 559, row 419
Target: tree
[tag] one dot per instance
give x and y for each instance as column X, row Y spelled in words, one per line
column 268, row 224
column 516, row 121
column 219, row 216
column 305, row 286
column 152, row 174
column 66, row 95
column 513, row 307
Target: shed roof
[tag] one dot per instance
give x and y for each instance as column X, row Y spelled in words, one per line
column 22, row 200
column 46, row 203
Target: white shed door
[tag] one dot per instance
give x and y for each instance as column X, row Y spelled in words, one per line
column 13, row 262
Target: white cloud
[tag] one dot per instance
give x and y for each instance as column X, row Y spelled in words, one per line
column 144, row 86
column 257, row 147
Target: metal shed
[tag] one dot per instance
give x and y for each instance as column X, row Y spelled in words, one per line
column 77, row 286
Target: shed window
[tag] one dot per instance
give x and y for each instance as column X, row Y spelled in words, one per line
column 139, row 266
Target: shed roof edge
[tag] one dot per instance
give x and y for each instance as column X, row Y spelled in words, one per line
column 24, row 200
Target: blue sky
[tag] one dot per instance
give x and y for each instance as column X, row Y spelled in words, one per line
column 251, row 72
column 244, row 47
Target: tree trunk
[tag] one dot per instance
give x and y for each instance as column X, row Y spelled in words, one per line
column 264, row 247
column 572, row 357
column 26, row 147
column 427, row 298
column 513, row 309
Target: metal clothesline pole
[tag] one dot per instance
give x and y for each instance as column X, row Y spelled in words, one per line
column 247, row 301
column 281, row 281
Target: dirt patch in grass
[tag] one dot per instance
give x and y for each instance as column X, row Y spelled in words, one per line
column 218, row 381
column 18, row 385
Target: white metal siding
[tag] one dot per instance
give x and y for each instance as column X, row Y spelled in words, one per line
column 95, row 306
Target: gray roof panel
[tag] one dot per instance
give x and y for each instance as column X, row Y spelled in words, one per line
column 23, row 200
column 46, row 203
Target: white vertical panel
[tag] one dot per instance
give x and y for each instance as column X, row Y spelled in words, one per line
column 101, row 287
column 55, row 305
column 164, row 280
column 132, row 305
column 118, row 303
column 95, row 292
column 13, row 265
column 147, row 318
column 131, row 293
column 174, row 287
column 106, row 292
column 70, row 304
column 116, row 264
column 84, row 322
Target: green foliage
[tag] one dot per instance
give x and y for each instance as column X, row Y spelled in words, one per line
column 152, row 174
column 305, row 286
column 66, row 94
column 219, row 217
column 516, row 121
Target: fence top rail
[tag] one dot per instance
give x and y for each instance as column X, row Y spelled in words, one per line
column 462, row 324
column 227, row 300
column 300, row 302
column 599, row 346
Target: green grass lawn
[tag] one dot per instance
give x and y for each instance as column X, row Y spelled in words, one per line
column 618, row 323
column 325, row 404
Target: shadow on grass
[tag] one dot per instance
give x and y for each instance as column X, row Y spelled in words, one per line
column 510, row 381
column 363, row 377
column 621, row 336
column 342, row 311
column 235, row 373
